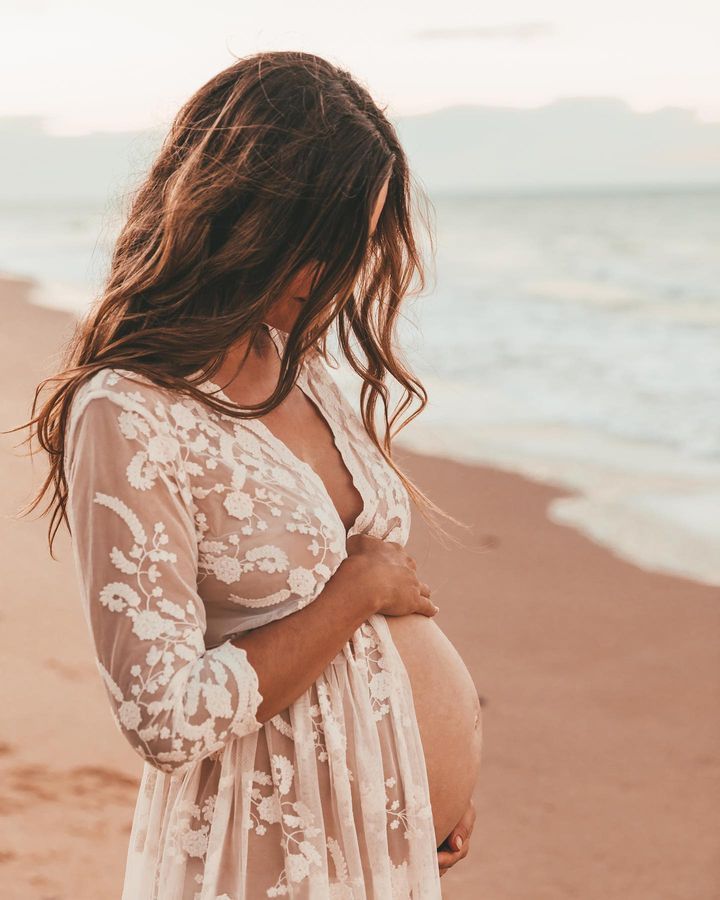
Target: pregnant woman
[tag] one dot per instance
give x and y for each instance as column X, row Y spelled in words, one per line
column 266, row 642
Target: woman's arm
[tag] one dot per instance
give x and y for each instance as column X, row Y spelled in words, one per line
column 136, row 556
column 290, row 653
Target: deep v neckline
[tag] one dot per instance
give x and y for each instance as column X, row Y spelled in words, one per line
column 291, row 458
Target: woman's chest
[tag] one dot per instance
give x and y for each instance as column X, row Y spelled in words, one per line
column 298, row 424
column 269, row 531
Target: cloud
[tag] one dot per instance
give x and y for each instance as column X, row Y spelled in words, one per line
column 519, row 31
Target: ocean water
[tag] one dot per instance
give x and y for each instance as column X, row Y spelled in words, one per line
column 572, row 337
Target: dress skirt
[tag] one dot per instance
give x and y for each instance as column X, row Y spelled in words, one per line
column 329, row 799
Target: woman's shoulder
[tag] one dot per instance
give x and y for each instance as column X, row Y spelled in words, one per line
column 122, row 395
column 127, row 388
column 120, row 408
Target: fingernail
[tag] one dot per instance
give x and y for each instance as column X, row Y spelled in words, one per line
column 437, row 608
column 458, row 842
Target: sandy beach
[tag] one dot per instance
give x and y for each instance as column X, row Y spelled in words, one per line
column 601, row 687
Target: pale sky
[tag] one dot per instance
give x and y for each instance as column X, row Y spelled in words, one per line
column 88, row 65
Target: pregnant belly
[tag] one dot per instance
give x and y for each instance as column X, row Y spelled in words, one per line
column 448, row 714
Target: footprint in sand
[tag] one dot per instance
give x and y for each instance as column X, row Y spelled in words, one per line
column 69, row 671
column 91, row 787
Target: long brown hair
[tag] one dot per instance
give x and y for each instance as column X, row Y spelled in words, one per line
column 274, row 163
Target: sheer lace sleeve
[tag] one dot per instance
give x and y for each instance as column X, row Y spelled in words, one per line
column 135, row 546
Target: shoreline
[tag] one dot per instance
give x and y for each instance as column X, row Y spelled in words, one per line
column 648, row 513
column 601, row 684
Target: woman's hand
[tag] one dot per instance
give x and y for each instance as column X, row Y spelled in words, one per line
column 388, row 574
column 456, row 845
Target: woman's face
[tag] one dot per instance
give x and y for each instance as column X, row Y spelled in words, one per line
column 285, row 311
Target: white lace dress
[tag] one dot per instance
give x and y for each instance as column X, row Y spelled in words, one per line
column 190, row 527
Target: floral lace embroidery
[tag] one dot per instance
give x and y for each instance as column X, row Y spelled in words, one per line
column 175, row 701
